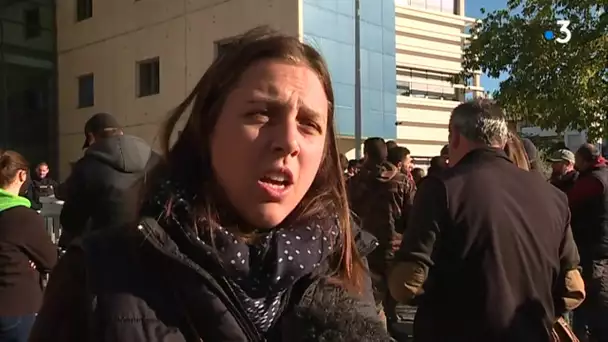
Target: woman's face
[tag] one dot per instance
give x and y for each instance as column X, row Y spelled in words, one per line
column 269, row 140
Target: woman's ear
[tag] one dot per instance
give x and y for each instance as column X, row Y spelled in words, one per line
column 22, row 176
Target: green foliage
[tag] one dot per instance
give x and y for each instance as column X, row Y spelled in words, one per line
column 550, row 85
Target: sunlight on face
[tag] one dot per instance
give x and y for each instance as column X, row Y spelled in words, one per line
column 269, row 140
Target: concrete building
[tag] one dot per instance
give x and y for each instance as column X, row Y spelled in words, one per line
column 430, row 35
column 139, row 59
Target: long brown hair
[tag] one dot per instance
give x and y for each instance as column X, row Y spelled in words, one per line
column 11, row 163
column 188, row 160
column 516, row 152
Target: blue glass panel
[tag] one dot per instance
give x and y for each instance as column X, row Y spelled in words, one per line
column 371, row 37
column 389, row 67
column 345, row 29
column 323, row 4
column 389, row 129
column 373, row 124
column 375, row 67
column 374, row 100
column 346, row 63
column 388, row 14
column 329, row 26
column 371, row 11
column 345, row 120
column 316, row 20
column 388, row 41
column 344, row 94
column 345, row 7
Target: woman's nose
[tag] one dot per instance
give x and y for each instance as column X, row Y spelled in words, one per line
column 285, row 140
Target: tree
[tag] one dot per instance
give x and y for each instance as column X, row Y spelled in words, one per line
column 551, row 85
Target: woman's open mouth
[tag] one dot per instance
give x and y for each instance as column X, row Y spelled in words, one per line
column 276, row 184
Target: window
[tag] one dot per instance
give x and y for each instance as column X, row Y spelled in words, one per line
column 445, row 6
column 86, row 91
column 425, row 84
column 148, row 75
column 31, row 17
column 84, row 9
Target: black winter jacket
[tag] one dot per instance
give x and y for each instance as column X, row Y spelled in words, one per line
column 141, row 288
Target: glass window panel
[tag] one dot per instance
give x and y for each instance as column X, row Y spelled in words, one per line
column 375, row 70
column 371, row 11
column 346, row 7
column 418, row 3
column 345, row 120
column 344, row 31
column 448, row 6
column 371, row 37
column 433, row 5
column 344, row 95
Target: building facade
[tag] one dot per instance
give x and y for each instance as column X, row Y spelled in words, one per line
column 430, row 35
column 329, row 26
column 28, row 105
column 139, row 59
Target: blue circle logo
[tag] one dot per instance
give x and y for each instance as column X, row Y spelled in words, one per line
column 549, row 35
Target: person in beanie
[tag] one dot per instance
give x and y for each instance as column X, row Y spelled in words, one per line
column 97, row 193
column 563, row 175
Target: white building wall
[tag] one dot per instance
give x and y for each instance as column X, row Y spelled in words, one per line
column 180, row 33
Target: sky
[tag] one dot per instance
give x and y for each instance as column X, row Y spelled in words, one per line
column 472, row 9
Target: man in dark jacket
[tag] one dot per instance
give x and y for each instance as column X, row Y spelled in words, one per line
column 589, row 205
column 381, row 196
column 44, row 184
column 490, row 242
column 101, row 190
column 564, row 175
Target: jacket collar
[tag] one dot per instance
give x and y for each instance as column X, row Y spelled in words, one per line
column 483, row 154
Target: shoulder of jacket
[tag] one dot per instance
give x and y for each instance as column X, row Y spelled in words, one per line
column 23, row 215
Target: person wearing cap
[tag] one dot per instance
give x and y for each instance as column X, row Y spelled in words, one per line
column 564, row 175
column 98, row 194
column 588, row 200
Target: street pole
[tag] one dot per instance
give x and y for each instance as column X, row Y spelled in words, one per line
column 357, row 79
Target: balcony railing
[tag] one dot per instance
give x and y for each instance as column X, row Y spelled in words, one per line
column 428, row 91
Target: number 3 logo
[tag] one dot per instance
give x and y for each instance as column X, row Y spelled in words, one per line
column 565, row 30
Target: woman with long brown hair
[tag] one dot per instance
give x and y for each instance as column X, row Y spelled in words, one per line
column 244, row 233
column 516, row 152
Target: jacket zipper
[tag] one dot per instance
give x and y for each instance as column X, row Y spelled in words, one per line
column 237, row 311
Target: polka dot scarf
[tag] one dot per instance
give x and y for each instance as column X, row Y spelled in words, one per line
column 259, row 272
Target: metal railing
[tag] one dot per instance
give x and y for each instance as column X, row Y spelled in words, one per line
column 51, row 210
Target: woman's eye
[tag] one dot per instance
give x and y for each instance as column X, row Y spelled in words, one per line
column 311, row 125
column 259, row 116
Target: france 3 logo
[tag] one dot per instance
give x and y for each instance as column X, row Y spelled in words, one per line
column 565, row 32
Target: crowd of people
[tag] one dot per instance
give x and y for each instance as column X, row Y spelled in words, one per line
column 252, row 227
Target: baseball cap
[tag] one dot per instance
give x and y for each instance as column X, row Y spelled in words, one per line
column 562, row 155
column 97, row 124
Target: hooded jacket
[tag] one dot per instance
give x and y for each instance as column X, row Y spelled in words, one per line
column 381, row 197
column 22, row 239
column 101, row 191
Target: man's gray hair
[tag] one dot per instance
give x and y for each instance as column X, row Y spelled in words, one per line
column 481, row 121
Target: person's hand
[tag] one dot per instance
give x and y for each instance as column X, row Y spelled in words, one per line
column 32, row 265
